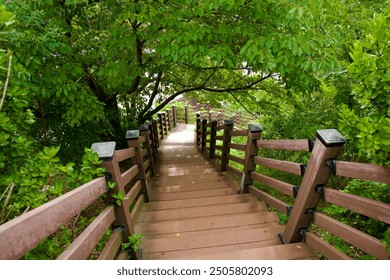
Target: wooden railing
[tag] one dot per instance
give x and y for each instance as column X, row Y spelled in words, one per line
column 218, row 140
column 130, row 169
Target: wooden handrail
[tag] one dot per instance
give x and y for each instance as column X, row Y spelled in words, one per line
column 274, row 183
column 351, row 235
column 23, row 233
column 368, row 207
column 361, row 171
column 290, row 167
column 290, row 145
column 82, row 247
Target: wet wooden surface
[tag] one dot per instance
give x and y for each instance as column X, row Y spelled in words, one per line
column 196, row 212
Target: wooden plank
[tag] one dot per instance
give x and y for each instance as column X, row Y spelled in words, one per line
column 148, row 175
column 278, row 252
column 240, row 147
column 133, row 193
column 188, row 186
column 182, row 254
column 236, row 159
column 368, row 207
column 207, row 223
column 218, row 147
column 121, row 155
column 192, row 194
column 234, row 170
column 190, row 234
column 290, row 145
column 146, row 164
column 352, row 236
column 137, row 208
column 218, row 157
column 23, row 233
column 274, row 183
column 112, row 246
column 219, row 137
column 204, row 241
column 82, row 247
column 201, row 211
column 129, row 174
column 192, row 202
column 243, row 132
column 269, row 199
column 290, row 167
column 363, row 171
column 327, row 250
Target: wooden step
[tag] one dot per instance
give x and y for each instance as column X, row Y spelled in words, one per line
column 190, row 163
column 205, row 223
column 206, row 177
column 277, row 252
column 193, row 253
column 192, row 186
column 186, row 171
column 204, row 241
column 156, row 196
column 201, row 211
column 192, row 202
column 190, row 234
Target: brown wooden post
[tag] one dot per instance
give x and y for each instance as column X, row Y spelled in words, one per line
column 174, row 116
column 169, row 119
column 165, row 118
column 210, row 116
column 198, row 128
column 254, row 133
column 144, row 131
column 186, row 114
column 213, row 134
column 155, row 134
column 133, row 140
column 227, row 139
column 153, row 143
column 106, row 152
column 204, row 135
column 161, row 125
column 327, row 146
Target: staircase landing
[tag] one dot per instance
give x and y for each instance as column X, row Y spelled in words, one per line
column 197, row 213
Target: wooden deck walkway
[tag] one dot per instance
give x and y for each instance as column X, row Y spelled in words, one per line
column 197, row 213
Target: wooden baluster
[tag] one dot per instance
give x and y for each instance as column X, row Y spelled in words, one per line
column 327, row 146
column 155, row 134
column 227, row 139
column 133, row 140
column 174, row 115
column 144, row 131
column 168, row 112
column 165, row 123
column 106, row 152
column 161, row 125
column 254, row 133
column 186, row 114
column 198, row 128
column 213, row 134
column 153, row 143
column 204, row 131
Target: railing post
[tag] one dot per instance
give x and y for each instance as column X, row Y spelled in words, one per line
column 161, row 125
column 186, row 114
column 254, row 133
column 133, row 140
column 227, row 139
column 198, row 128
column 144, row 131
column 327, row 146
column 106, row 152
column 169, row 119
column 174, row 116
column 213, row 134
column 204, row 135
column 155, row 134
column 153, row 141
column 210, row 116
column 165, row 123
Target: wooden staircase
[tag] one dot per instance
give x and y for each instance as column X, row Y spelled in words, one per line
column 197, row 213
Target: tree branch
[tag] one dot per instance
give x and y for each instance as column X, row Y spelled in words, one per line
column 6, row 80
